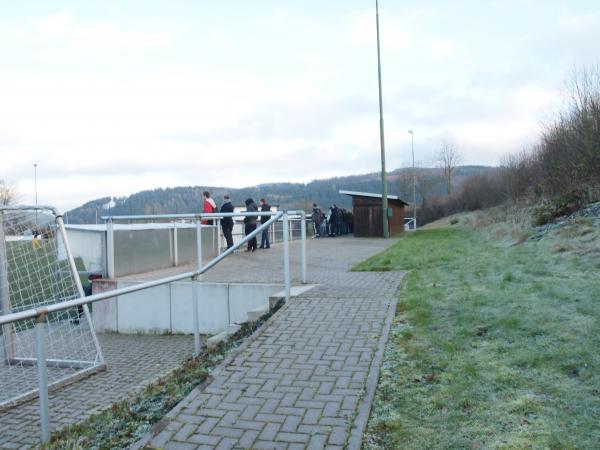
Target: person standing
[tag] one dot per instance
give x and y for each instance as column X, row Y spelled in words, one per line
column 250, row 224
column 209, row 206
column 227, row 222
column 316, row 218
column 264, row 240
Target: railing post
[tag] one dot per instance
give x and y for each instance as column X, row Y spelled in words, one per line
column 175, row 245
column 219, row 237
column 110, row 248
column 286, row 257
column 303, row 244
column 199, row 242
column 196, row 319
column 42, row 371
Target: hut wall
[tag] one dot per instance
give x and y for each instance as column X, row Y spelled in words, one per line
column 368, row 217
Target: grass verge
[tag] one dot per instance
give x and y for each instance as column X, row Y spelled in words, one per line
column 493, row 346
column 125, row 422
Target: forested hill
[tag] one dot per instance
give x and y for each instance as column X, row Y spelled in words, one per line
column 187, row 199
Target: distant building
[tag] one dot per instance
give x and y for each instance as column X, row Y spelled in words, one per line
column 368, row 215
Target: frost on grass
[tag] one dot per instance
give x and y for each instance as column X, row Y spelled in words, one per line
column 499, row 348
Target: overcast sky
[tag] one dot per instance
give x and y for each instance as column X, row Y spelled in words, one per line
column 114, row 97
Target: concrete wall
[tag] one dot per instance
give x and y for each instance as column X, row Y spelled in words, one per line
column 168, row 309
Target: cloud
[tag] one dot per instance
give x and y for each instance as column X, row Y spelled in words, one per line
column 64, row 28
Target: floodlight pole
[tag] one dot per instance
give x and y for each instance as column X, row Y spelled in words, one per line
column 384, row 200
column 414, row 177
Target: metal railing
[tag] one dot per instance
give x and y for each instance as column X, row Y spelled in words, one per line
column 288, row 229
column 41, row 313
column 410, row 223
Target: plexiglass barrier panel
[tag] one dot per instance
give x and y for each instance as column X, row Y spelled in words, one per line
column 138, row 251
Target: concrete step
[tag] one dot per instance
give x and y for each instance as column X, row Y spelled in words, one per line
column 258, row 312
column 213, row 341
column 295, row 291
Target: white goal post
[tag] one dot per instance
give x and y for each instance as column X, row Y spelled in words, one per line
column 35, row 273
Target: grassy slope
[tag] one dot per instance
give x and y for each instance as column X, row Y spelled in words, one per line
column 493, row 346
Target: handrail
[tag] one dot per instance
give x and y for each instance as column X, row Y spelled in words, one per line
column 40, row 313
column 32, row 313
column 214, row 215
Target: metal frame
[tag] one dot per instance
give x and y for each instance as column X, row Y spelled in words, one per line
column 86, row 368
column 40, row 313
column 293, row 216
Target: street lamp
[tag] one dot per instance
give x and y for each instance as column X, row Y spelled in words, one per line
column 384, row 200
column 412, row 144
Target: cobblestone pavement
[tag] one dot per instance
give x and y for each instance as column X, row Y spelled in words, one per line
column 327, row 337
column 301, row 382
column 133, row 362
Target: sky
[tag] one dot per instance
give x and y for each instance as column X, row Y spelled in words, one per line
column 110, row 98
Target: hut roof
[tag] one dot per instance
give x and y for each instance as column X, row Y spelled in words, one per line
column 372, row 195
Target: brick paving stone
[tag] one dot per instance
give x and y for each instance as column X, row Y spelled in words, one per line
column 314, row 355
column 133, row 362
column 299, row 382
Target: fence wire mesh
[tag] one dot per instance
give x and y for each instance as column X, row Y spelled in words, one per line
column 35, row 272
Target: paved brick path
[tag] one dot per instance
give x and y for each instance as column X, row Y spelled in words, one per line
column 133, row 362
column 301, row 382
column 327, row 339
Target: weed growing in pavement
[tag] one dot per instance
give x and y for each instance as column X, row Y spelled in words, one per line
column 125, row 422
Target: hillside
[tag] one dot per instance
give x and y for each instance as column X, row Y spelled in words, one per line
column 186, row 199
column 495, row 340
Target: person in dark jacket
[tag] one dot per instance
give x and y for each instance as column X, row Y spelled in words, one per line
column 316, row 218
column 264, row 207
column 227, row 222
column 250, row 224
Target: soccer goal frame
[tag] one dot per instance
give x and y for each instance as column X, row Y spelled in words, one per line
column 80, row 368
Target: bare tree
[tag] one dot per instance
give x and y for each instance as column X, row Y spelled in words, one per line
column 448, row 157
column 8, row 193
column 426, row 182
column 405, row 184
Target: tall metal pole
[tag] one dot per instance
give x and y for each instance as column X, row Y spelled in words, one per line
column 414, row 177
column 384, row 200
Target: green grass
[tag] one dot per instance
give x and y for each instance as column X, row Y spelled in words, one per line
column 36, row 277
column 493, row 346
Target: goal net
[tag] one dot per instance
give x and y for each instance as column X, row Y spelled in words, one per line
column 36, row 270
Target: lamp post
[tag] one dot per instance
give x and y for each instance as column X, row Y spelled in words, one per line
column 35, row 190
column 384, row 200
column 412, row 144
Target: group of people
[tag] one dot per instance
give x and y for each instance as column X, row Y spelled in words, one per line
column 250, row 221
column 336, row 222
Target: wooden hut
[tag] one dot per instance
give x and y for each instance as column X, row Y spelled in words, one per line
column 368, row 215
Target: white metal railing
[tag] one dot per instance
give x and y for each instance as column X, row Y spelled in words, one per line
column 41, row 313
column 293, row 217
column 410, row 223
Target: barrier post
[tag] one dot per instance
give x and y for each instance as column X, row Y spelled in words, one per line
column 110, row 248
column 286, row 256
column 196, row 319
column 40, row 344
column 303, row 244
